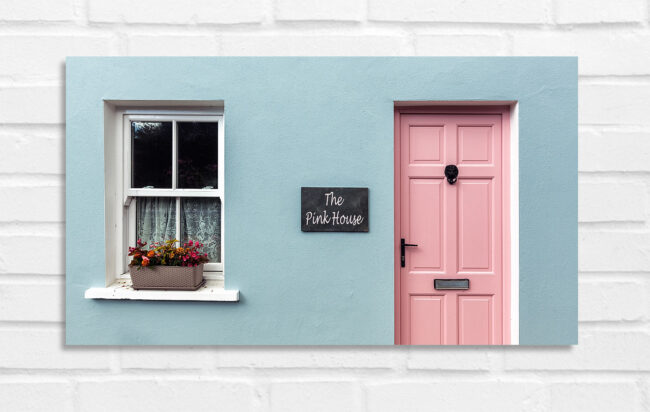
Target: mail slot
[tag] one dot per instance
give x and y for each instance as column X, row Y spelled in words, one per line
column 453, row 284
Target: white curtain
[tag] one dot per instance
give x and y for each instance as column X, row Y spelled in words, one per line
column 200, row 221
column 156, row 219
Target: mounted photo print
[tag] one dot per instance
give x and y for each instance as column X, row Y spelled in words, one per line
column 437, row 199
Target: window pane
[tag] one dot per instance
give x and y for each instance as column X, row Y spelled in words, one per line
column 152, row 154
column 155, row 219
column 201, row 221
column 197, row 154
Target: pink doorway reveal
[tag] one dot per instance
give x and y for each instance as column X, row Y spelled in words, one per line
column 452, row 285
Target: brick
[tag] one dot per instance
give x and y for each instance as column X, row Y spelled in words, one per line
column 471, row 11
column 39, row 302
column 166, row 358
column 598, row 350
column 36, row 10
column 455, row 396
column 612, row 300
column 449, row 358
column 614, row 152
column 29, row 153
column 23, row 204
column 613, row 103
column 599, row 11
column 599, row 53
column 595, row 396
column 179, row 45
column 312, row 45
column 50, row 259
column 36, row 396
column 194, row 394
column 304, row 357
column 44, row 349
column 34, row 104
column 461, row 45
column 613, row 251
column 347, row 10
column 188, row 12
column 43, row 57
column 613, row 201
column 315, row 396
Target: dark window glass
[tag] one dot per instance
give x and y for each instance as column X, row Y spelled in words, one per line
column 152, row 154
column 197, row 155
column 201, row 222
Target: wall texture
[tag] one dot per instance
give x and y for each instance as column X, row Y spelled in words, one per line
column 608, row 370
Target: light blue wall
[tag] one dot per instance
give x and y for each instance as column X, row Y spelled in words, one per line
column 293, row 122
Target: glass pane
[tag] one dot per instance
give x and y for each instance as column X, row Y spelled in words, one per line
column 197, row 154
column 155, row 219
column 201, row 221
column 152, row 154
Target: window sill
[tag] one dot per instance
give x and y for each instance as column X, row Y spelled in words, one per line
column 122, row 289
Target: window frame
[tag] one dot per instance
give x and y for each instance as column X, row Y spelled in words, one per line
column 129, row 195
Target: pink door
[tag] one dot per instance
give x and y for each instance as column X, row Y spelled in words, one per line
column 458, row 229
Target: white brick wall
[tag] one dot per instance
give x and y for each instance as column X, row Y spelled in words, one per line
column 608, row 371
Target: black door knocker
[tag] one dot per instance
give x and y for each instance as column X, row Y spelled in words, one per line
column 451, row 172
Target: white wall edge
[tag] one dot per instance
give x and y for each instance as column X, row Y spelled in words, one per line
column 514, row 224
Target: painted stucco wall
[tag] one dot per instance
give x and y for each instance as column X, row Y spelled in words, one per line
column 293, row 122
column 607, row 370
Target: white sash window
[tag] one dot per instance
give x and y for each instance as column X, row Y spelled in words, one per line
column 173, row 181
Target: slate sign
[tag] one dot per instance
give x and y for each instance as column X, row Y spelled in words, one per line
column 334, row 209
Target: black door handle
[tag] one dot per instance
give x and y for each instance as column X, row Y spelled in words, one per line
column 403, row 246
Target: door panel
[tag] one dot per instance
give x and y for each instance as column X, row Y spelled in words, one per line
column 426, row 204
column 475, row 320
column 457, row 228
column 427, row 311
column 475, row 144
column 474, row 224
column 426, row 144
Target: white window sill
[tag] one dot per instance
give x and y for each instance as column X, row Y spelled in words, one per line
column 122, row 289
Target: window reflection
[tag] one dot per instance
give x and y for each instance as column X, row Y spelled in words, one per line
column 197, row 154
column 151, row 154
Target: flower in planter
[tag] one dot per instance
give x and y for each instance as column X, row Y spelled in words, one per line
column 167, row 254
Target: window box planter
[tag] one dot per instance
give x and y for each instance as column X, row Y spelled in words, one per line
column 167, row 277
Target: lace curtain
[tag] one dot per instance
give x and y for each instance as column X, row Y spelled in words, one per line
column 155, row 219
column 200, row 221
